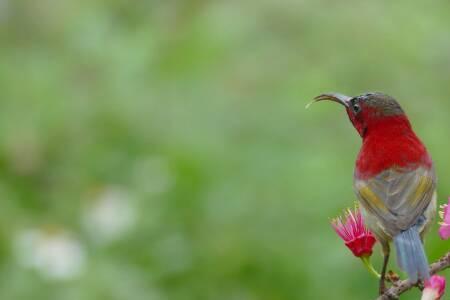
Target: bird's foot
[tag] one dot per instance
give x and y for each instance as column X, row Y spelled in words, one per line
column 392, row 277
column 421, row 285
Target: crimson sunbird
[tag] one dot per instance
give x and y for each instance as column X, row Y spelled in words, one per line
column 394, row 180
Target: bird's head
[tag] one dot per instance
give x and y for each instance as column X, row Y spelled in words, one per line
column 368, row 110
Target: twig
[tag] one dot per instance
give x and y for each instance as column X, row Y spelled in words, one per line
column 402, row 286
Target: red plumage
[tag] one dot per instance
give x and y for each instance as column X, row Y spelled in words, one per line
column 390, row 142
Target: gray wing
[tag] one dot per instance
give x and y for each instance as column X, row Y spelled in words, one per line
column 397, row 197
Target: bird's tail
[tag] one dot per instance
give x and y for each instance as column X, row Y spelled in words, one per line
column 411, row 256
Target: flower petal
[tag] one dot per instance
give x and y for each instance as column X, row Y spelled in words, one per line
column 352, row 230
column 434, row 288
column 444, row 231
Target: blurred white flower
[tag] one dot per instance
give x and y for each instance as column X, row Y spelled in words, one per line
column 109, row 216
column 53, row 253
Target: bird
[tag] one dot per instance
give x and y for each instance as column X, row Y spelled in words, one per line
column 394, row 180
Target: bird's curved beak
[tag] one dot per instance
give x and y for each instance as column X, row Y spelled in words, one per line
column 339, row 98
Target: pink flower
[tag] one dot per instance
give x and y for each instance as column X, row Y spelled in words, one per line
column 434, row 288
column 444, row 230
column 355, row 234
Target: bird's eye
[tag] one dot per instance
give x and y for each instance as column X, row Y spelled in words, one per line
column 356, row 108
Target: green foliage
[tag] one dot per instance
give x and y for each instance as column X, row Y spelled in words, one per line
column 195, row 109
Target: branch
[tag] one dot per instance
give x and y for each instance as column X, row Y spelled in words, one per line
column 402, row 286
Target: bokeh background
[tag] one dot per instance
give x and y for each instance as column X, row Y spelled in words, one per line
column 162, row 149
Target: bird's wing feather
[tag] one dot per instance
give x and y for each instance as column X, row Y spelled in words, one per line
column 397, row 197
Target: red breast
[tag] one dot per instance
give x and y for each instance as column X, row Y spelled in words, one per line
column 390, row 142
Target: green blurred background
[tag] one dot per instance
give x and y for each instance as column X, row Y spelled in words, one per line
column 162, row 150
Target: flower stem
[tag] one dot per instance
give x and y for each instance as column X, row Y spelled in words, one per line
column 368, row 264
